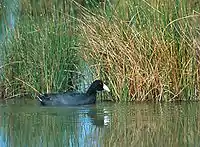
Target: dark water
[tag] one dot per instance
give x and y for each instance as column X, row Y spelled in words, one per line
column 104, row 124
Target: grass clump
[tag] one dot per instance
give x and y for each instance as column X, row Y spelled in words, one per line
column 145, row 49
column 41, row 56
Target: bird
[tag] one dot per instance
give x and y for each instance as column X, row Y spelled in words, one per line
column 73, row 98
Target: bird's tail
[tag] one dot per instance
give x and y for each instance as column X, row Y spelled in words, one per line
column 40, row 98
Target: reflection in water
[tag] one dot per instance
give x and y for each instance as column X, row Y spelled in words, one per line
column 51, row 126
column 2, row 142
column 172, row 124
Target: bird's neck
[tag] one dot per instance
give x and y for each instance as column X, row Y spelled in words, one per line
column 90, row 91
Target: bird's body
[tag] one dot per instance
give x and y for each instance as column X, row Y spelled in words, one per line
column 73, row 98
column 66, row 99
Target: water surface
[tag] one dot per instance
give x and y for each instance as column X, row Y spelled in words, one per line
column 104, row 124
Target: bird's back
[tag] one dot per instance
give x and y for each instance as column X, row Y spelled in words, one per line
column 72, row 98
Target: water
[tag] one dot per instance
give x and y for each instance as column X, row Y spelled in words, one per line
column 104, row 124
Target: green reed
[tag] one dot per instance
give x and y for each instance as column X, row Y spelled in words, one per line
column 145, row 50
column 41, row 56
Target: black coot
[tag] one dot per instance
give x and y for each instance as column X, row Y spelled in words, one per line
column 57, row 99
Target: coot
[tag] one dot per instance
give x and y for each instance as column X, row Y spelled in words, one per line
column 58, row 99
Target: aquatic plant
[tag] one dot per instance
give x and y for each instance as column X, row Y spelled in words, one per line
column 41, row 56
column 145, row 49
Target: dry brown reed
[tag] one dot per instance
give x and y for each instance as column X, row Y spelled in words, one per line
column 139, row 66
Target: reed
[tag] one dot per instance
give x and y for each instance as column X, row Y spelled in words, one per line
column 41, row 55
column 145, row 49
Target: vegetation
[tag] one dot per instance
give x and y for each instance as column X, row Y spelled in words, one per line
column 41, row 56
column 145, row 50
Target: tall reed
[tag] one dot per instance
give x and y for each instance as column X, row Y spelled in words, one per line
column 145, row 49
column 41, row 56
